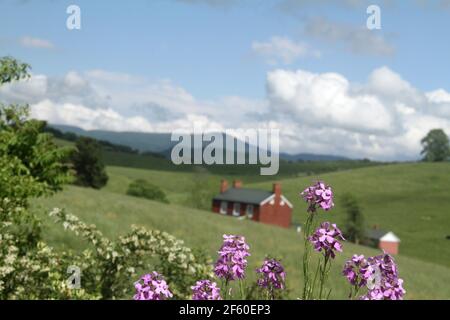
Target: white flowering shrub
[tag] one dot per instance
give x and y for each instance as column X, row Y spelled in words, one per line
column 109, row 267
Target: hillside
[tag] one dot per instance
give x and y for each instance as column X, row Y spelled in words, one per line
column 114, row 213
column 412, row 200
column 156, row 142
column 250, row 172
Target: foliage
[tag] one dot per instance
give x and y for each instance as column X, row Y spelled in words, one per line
column 12, row 70
column 110, row 265
column 87, row 162
column 354, row 225
column 144, row 189
column 31, row 165
column 28, row 154
column 436, row 146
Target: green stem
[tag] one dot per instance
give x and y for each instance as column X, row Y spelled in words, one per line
column 241, row 287
column 323, row 274
column 225, row 289
column 355, row 292
column 313, row 288
column 306, row 256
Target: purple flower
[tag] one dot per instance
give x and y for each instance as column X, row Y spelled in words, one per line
column 272, row 274
column 232, row 263
column 326, row 238
column 319, row 195
column 358, row 271
column 386, row 285
column 152, row 287
column 205, row 290
column 378, row 273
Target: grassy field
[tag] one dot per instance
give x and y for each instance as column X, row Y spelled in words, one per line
column 412, row 200
column 113, row 213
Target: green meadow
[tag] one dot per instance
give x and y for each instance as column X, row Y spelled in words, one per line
column 409, row 199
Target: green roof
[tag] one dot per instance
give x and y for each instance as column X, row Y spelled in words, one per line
column 243, row 195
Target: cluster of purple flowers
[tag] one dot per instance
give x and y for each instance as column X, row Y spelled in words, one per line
column 326, row 238
column 152, row 287
column 272, row 274
column 232, row 258
column 378, row 273
column 205, row 290
column 318, row 195
column 358, row 271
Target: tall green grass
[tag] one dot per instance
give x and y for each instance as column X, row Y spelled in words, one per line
column 113, row 213
column 412, row 200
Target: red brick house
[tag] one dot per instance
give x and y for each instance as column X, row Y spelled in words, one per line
column 384, row 240
column 269, row 207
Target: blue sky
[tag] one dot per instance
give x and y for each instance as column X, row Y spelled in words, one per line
column 218, row 55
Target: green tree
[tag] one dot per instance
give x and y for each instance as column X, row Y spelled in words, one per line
column 143, row 189
column 12, row 70
column 354, row 228
column 31, row 165
column 88, row 165
column 436, row 146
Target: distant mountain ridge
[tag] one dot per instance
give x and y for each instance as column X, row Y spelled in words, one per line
column 161, row 143
column 142, row 141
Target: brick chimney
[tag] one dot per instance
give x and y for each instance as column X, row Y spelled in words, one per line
column 223, row 185
column 276, row 189
column 237, row 184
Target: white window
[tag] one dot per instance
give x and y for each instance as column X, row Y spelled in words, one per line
column 223, row 207
column 249, row 211
column 237, row 209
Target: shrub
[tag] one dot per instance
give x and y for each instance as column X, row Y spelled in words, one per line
column 354, row 225
column 88, row 164
column 143, row 189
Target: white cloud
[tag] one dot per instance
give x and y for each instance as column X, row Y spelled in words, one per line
column 87, row 118
column 357, row 39
column 322, row 99
column 31, row 42
column 384, row 118
column 113, row 101
column 109, row 119
column 282, row 49
column 438, row 96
